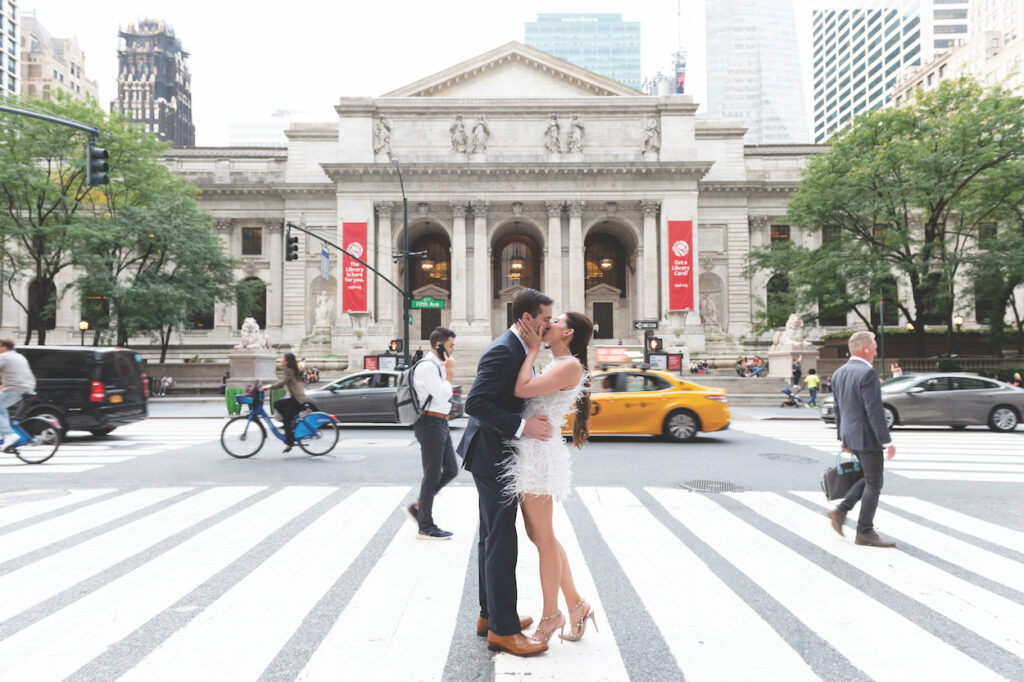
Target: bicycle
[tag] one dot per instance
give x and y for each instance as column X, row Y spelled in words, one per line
column 315, row 432
column 38, row 439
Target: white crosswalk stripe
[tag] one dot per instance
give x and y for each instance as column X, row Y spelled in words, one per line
column 924, row 454
column 239, row 571
column 150, row 437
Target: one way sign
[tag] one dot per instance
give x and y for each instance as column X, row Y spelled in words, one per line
column 645, row 325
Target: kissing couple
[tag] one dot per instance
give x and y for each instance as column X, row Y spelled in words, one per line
column 513, row 447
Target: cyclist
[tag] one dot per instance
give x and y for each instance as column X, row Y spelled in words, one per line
column 16, row 379
column 289, row 407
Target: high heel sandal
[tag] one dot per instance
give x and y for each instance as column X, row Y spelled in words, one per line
column 541, row 635
column 577, row 628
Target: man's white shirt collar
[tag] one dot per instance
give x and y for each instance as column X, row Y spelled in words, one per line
column 519, row 336
column 857, row 357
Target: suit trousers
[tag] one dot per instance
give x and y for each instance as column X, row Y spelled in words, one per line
column 497, row 551
column 439, row 466
column 866, row 490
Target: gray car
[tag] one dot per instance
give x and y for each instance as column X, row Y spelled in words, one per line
column 367, row 397
column 956, row 400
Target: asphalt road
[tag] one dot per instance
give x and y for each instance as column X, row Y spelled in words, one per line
column 153, row 554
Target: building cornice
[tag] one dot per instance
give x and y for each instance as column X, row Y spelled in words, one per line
column 692, row 170
column 278, row 190
column 785, row 149
column 227, row 152
column 747, row 187
column 504, row 108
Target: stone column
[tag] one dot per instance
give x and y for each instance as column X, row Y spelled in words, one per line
column 481, row 266
column 649, row 283
column 553, row 263
column 576, row 267
column 225, row 313
column 459, row 302
column 275, row 287
column 386, row 295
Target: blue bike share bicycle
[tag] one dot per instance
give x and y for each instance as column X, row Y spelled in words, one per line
column 315, row 432
column 37, row 439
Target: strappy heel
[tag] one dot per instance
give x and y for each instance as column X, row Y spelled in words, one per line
column 541, row 635
column 577, row 628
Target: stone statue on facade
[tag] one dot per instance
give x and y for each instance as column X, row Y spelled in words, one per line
column 709, row 311
column 252, row 337
column 793, row 336
column 575, row 141
column 324, row 309
column 458, row 134
column 652, row 136
column 552, row 135
column 481, row 134
column 382, row 136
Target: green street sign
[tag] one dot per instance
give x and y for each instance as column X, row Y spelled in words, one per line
column 427, row 302
column 409, row 318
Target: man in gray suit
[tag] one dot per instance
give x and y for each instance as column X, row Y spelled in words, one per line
column 860, row 425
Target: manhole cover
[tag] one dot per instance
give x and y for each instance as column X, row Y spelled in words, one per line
column 31, row 496
column 702, row 486
column 786, row 457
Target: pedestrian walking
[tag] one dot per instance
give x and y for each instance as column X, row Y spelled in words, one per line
column 795, row 368
column 812, row 381
column 861, row 427
column 432, row 383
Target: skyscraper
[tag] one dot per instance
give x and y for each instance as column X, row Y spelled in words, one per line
column 602, row 43
column 50, row 64
column 10, row 37
column 154, row 86
column 753, row 69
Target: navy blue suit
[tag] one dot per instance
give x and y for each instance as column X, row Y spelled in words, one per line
column 494, row 417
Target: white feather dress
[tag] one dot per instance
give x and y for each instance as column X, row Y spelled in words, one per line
column 544, row 467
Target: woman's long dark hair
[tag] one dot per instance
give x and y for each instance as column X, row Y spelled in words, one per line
column 582, row 329
column 292, row 363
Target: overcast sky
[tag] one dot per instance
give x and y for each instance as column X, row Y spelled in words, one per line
column 249, row 59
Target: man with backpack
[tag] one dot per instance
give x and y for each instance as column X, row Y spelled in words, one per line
column 430, row 381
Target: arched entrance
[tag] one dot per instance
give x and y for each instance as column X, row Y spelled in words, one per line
column 515, row 265
column 429, row 276
column 252, row 301
column 609, row 271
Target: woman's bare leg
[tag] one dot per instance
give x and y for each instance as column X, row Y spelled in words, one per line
column 537, row 513
column 572, row 597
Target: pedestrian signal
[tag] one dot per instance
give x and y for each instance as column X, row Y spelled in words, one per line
column 96, row 165
column 654, row 344
column 395, row 346
column 292, row 250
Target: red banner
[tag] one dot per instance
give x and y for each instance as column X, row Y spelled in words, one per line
column 353, row 287
column 680, row 265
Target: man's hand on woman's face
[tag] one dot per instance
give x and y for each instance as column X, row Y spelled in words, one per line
column 530, row 336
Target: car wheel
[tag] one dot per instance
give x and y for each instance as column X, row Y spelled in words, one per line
column 102, row 432
column 1003, row 418
column 890, row 416
column 681, row 426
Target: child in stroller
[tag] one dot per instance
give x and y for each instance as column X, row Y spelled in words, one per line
column 792, row 399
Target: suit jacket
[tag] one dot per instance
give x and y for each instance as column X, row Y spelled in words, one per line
column 494, row 410
column 860, row 420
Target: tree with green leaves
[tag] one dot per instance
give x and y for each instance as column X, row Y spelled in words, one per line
column 901, row 194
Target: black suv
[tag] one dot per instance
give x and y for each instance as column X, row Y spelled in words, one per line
column 86, row 389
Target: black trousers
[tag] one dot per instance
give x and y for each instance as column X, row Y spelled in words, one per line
column 866, row 490
column 439, row 466
column 498, row 552
column 288, row 408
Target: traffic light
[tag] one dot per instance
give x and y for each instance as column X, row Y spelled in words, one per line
column 96, row 165
column 654, row 344
column 292, row 248
column 395, row 346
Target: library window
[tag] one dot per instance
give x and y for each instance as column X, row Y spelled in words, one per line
column 252, row 241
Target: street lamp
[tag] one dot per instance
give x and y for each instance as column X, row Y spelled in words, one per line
column 405, row 266
column 83, row 327
column 910, row 326
column 958, row 321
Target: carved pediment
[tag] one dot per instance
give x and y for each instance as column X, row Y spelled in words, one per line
column 603, row 291
column 514, row 71
column 509, row 292
column 431, row 290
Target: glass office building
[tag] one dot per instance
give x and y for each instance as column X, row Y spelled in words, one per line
column 754, row 75
column 602, row 43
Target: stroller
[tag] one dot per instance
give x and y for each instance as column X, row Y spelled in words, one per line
column 792, row 399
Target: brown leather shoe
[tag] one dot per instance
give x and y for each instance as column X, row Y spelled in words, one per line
column 517, row 644
column 837, row 516
column 872, row 540
column 481, row 625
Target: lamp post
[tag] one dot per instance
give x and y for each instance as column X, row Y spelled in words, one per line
column 83, row 327
column 881, row 336
column 910, row 326
column 958, row 321
column 405, row 266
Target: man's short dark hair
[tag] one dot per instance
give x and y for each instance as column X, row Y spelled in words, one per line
column 529, row 301
column 440, row 335
column 7, row 343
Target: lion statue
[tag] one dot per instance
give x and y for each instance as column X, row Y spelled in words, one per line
column 793, row 336
column 252, row 337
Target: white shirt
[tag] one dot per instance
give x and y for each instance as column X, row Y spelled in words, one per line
column 522, row 422
column 429, row 380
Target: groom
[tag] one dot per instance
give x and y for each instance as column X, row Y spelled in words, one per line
column 494, row 418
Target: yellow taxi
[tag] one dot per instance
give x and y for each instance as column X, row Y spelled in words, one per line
column 652, row 402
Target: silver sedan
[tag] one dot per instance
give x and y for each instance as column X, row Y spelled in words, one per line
column 367, row 397
column 956, row 400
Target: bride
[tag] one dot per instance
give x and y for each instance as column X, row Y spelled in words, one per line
column 539, row 472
